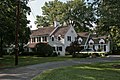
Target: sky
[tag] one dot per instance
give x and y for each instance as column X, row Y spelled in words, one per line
column 35, row 6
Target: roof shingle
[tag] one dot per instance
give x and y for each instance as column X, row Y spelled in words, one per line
column 42, row 31
column 61, row 31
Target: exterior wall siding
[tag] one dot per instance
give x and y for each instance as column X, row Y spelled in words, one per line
column 71, row 32
column 63, row 42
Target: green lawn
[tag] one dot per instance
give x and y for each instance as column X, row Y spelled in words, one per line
column 98, row 71
column 8, row 61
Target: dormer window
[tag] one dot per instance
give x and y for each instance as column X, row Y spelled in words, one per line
column 80, row 40
column 91, row 42
column 52, row 38
column 102, row 41
column 59, row 38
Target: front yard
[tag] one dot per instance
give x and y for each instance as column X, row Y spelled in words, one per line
column 98, row 71
column 8, row 61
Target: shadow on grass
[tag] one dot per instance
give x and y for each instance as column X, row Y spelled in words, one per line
column 97, row 71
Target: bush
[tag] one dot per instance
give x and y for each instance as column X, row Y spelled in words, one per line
column 44, row 49
column 27, row 54
column 81, row 55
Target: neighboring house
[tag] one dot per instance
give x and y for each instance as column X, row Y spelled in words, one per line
column 94, row 42
column 58, row 37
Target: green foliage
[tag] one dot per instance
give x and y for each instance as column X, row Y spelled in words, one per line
column 52, row 10
column 42, row 21
column 81, row 15
column 74, row 48
column 74, row 12
column 27, row 54
column 109, row 20
column 44, row 49
column 8, row 22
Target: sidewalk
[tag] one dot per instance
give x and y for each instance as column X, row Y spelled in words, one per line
column 28, row 72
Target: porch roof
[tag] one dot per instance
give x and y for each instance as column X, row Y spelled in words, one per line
column 32, row 45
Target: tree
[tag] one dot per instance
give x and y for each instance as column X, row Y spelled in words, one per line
column 80, row 14
column 8, row 20
column 42, row 21
column 74, row 47
column 52, row 10
column 109, row 20
column 74, row 12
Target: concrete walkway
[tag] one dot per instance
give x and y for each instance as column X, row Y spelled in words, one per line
column 28, row 72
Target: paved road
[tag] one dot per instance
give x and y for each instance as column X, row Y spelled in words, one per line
column 28, row 72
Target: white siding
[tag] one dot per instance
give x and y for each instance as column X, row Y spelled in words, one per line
column 71, row 32
column 63, row 42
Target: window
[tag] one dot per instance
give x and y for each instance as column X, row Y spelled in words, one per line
column 44, row 38
column 52, row 38
column 33, row 39
column 59, row 48
column 59, row 38
column 101, row 42
column 104, row 47
column 39, row 39
column 91, row 43
column 68, row 38
column 72, row 31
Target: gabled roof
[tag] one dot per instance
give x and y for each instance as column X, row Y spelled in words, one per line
column 61, row 31
column 42, row 31
column 83, row 34
column 94, row 37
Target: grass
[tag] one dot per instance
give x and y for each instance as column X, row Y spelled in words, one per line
column 98, row 71
column 8, row 61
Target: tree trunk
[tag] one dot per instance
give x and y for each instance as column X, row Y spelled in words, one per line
column 1, row 46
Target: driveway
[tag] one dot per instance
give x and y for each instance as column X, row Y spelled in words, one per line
column 28, row 72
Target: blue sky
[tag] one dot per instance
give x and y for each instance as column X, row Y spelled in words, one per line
column 35, row 6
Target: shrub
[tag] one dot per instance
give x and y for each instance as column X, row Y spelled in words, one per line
column 73, row 48
column 44, row 49
column 27, row 53
column 80, row 55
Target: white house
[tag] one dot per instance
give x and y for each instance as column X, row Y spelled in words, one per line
column 58, row 37
column 94, row 42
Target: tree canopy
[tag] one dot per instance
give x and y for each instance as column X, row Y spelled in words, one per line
column 74, row 12
column 109, row 19
column 8, row 21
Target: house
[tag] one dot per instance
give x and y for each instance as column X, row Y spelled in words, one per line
column 58, row 37
column 93, row 41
